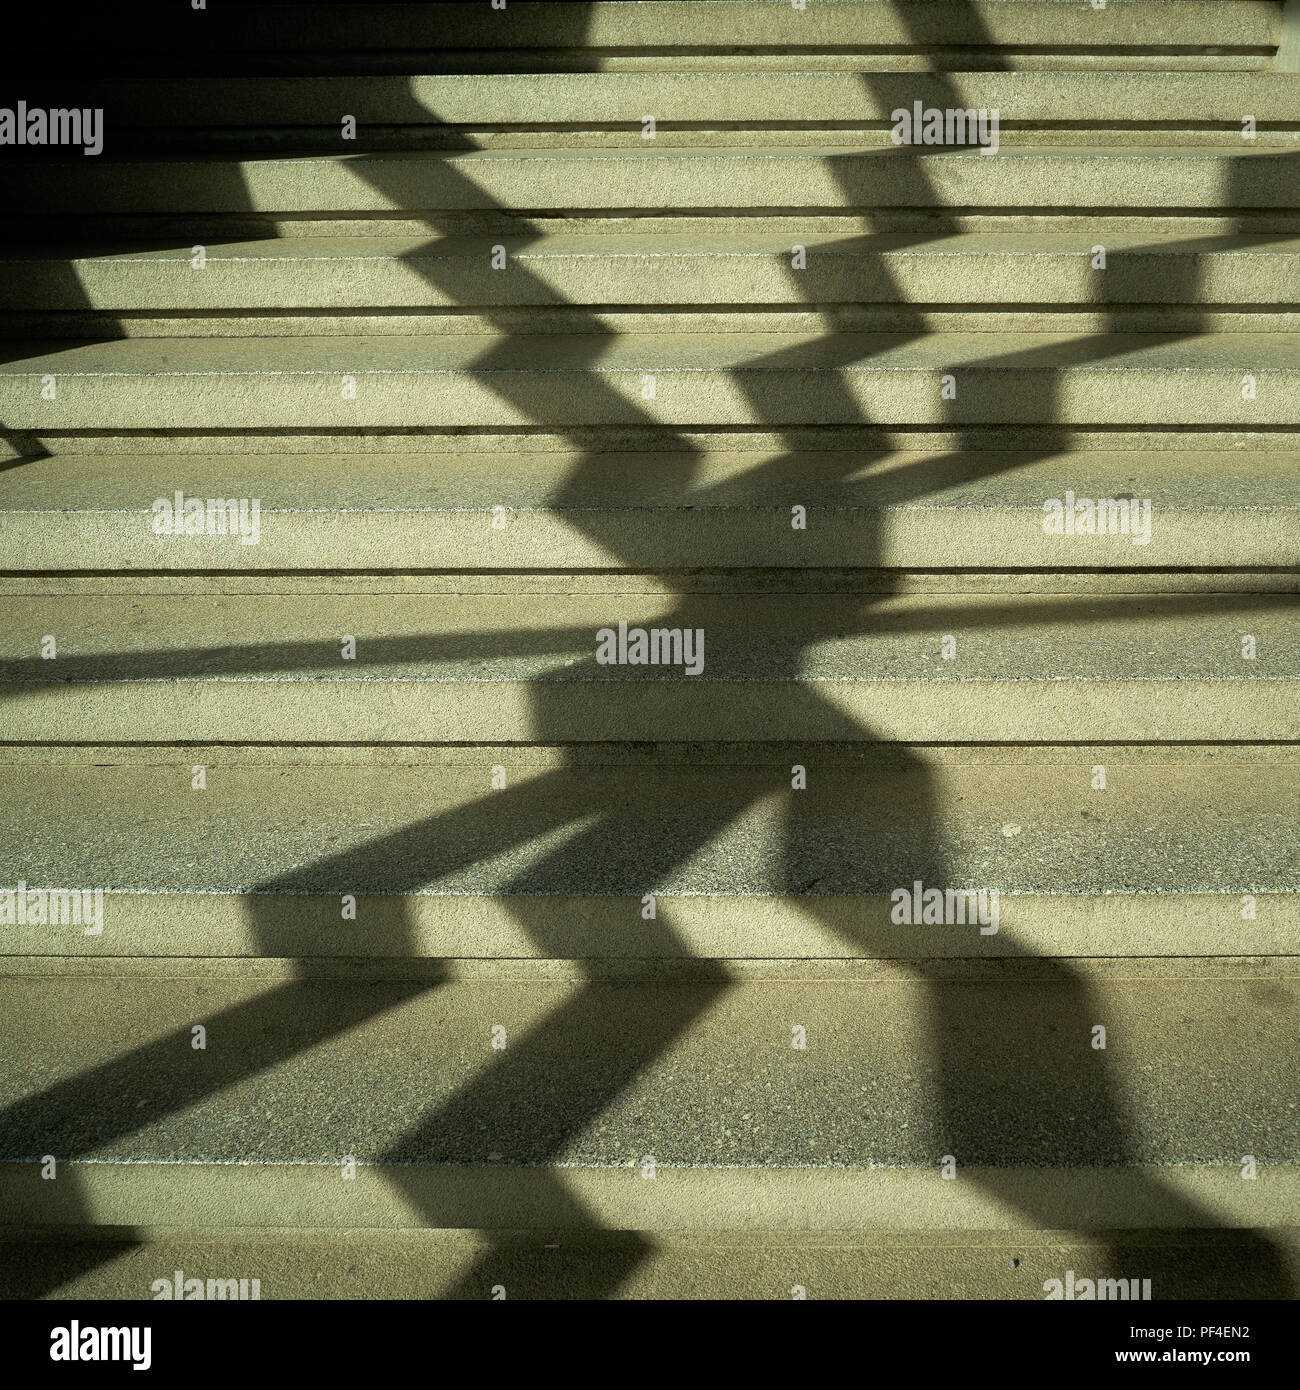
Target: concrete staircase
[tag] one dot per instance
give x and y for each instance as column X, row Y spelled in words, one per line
column 442, row 958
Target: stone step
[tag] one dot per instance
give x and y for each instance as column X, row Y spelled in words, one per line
column 185, row 230
column 32, row 445
column 474, row 37
column 80, row 325
column 404, row 1264
column 1236, row 509
column 775, row 379
column 521, row 666
column 420, row 950
column 490, row 853
column 682, row 283
column 1000, row 1069
column 702, row 108
column 774, row 179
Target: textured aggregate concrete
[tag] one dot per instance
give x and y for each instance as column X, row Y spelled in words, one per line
column 1001, row 1073
column 412, row 511
column 1184, row 479
column 558, row 99
column 750, row 178
column 659, row 1265
column 274, row 324
column 1204, row 825
column 559, row 860
column 690, row 270
column 882, row 1207
column 510, row 1036
column 1175, row 223
column 1146, row 24
column 507, row 634
column 522, row 668
column 462, row 380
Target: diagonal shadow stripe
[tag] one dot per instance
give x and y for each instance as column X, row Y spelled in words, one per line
column 552, row 1128
column 1102, row 1109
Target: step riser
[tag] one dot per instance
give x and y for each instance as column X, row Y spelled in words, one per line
column 476, row 29
column 703, row 398
column 987, row 538
column 953, row 62
column 410, row 932
column 773, row 382
column 1018, row 1204
column 965, row 275
column 240, row 143
column 405, row 1264
column 564, row 104
column 777, row 181
column 607, row 445
column 77, row 327
column 519, row 712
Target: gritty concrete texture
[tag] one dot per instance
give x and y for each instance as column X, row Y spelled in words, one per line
column 1288, row 49
column 557, row 861
column 660, row 1265
column 874, row 1209
column 1000, row 29
column 105, row 450
column 672, row 823
column 669, row 585
column 539, row 322
column 1001, row 1073
column 593, row 970
column 561, row 102
column 692, row 271
column 522, row 668
column 462, row 380
column 646, row 178
column 407, row 933
column 106, row 229
column 670, row 511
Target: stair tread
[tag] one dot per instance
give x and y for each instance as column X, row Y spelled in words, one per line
column 801, row 97
column 594, row 1264
column 1062, row 178
column 595, row 25
column 699, row 1074
column 724, row 378
column 734, row 482
column 520, row 635
column 771, row 352
column 566, row 510
column 1024, row 822
column 561, row 270
column 522, row 667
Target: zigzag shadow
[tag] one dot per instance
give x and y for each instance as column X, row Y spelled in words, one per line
column 974, row 1109
column 1093, row 1107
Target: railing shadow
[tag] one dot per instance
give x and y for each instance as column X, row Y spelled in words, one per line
column 990, row 1071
